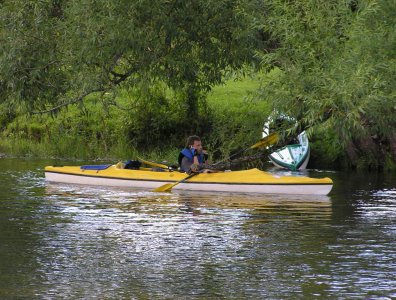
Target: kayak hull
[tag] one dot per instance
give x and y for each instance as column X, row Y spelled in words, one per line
column 249, row 181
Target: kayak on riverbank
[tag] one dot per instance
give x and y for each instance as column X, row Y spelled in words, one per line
column 246, row 181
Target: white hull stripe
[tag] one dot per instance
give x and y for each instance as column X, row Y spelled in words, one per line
column 313, row 189
column 189, row 182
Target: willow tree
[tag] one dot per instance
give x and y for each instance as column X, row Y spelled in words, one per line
column 56, row 52
column 335, row 73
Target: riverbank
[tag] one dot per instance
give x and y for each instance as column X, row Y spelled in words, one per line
column 230, row 119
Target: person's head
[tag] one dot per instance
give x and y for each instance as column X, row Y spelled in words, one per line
column 194, row 142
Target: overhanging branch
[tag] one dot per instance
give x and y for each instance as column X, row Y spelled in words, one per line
column 73, row 101
column 114, row 82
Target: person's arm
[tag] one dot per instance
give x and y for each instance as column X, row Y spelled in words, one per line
column 206, row 157
column 185, row 165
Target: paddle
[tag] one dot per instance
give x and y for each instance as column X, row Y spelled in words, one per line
column 168, row 187
column 266, row 141
column 150, row 163
column 269, row 140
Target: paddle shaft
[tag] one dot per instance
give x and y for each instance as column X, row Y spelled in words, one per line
column 187, row 178
column 266, row 141
column 150, row 163
column 168, row 186
column 231, row 156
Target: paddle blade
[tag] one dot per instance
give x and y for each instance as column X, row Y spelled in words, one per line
column 269, row 140
column 165, row 188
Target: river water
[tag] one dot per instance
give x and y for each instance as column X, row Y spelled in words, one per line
column 80, row 242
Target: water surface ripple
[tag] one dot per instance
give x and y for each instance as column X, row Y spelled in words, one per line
column 74, row 242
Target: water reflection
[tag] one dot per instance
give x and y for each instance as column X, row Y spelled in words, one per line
column 130, row 200
column 60, row 241
column 199, row 243
column 380, row 204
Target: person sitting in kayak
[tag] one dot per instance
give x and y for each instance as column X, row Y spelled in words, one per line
column 193, row 158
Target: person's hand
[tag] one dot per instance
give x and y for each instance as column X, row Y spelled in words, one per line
column 194, row 151
column 194, row 168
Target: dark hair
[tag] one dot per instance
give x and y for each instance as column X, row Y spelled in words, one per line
column 191, row 140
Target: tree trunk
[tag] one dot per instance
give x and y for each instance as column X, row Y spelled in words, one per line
column 392, row 145
column 192, row 113
column 352, row 154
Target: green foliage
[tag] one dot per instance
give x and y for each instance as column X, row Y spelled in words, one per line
column 152, row 119
column 30, row 66
column 237, row 117
column 77, row 133
column 336, row 72
column 328, row 64
column 54, row 53
column 149, row 123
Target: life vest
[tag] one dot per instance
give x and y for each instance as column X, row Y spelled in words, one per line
column 189, row 153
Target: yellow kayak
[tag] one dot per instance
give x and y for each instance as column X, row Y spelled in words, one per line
column 246, row 181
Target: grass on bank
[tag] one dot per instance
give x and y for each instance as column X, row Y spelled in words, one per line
column 96, row 132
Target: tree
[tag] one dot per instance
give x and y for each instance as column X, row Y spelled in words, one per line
column 336, row 73
column 56, row 52
column 30, row 66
